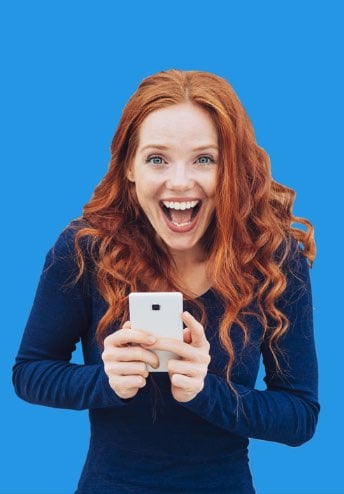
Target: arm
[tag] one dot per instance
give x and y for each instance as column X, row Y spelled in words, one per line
column 60, row 316
column 287, row 410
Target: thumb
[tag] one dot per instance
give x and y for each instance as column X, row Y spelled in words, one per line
column 196, row 329
column 187, row 335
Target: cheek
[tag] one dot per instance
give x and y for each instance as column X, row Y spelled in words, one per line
column 146, row 193
column 210, row 187
column 148, row 186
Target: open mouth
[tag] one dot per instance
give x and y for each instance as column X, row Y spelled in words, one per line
column 181, row 214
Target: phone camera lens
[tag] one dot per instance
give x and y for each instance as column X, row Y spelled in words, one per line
column 155, row 307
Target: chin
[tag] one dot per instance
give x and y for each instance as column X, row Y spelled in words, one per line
column 181, row 246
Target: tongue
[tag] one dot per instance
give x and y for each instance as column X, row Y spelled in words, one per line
column 181, row 216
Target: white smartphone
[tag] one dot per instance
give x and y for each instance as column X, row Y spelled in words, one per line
column 158, row 313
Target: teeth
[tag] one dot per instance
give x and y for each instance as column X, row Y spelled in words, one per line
column 180, row 205
column 181, row 224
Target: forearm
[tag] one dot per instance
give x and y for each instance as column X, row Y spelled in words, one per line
column 278, row 416
column 63, row 385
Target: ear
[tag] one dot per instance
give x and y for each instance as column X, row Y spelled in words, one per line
column 130, row 175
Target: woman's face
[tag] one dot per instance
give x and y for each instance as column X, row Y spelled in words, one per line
column 174, row 171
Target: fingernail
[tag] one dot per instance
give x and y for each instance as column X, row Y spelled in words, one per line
column 151, row 339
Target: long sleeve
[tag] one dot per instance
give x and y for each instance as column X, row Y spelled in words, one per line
column 60, row 316
column 287, row 410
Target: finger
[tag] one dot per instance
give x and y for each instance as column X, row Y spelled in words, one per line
column 187, row 335
column 127, row 325
column 184, row 350
column 134, row 354
column 127, row 382
column 128, row 369
column 187, row 384
column 198, row 338
column 186, row 368
column 125, row 336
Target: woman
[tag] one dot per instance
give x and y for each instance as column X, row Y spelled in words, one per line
column 188, row 204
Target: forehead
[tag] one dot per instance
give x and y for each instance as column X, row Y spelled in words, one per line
column 176, row 125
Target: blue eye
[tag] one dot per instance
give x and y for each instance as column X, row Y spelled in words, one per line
column 205, row 160
column 155, row 160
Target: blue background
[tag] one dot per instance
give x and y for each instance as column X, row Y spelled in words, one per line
column 67, row 69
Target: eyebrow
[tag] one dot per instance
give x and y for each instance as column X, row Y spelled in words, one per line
column 165, row 148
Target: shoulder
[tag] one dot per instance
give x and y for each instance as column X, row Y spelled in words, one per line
column 61, row 260
column 295, row 265
column 290, row 255
column 65, row 245
column 65, row 242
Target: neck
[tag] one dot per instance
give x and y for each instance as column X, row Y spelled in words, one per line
column 188, row 260
column 192, row 273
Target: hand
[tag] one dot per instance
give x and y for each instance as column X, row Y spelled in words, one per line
column 125, row 361
column 187, row 375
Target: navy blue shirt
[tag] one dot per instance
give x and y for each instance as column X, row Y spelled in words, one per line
column 151, row 443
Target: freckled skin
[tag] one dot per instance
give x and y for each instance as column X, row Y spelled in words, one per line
column 180, row 171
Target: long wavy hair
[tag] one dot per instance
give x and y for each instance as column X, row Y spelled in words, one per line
column 251, row 223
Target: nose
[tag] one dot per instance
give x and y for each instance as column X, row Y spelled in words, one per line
column 179, row 177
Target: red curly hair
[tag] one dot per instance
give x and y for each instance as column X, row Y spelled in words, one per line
column 252, row 220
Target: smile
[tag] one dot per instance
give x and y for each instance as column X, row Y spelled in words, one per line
column 181, row 216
